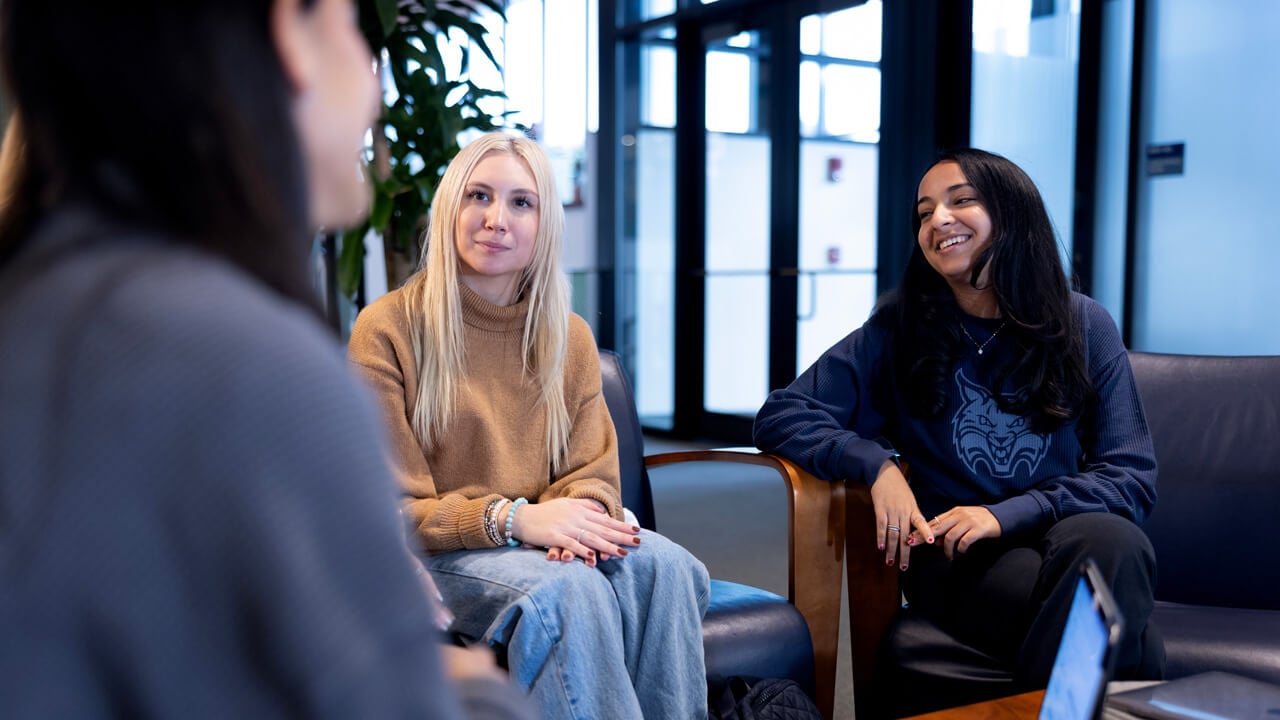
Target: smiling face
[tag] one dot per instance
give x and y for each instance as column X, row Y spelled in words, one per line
column 497, row 226
column 955, row 227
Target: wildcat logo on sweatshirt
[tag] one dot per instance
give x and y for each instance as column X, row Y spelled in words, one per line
column 990, row 440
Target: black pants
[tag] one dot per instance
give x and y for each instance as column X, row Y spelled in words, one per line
column 1009, row 596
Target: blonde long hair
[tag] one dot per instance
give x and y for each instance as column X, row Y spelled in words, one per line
column 434, row 306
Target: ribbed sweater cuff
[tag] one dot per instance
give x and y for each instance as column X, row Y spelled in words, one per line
column 1017, row 513
column 470, row 523
column 861, row 460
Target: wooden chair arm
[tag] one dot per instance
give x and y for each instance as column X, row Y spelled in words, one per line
column 816, row 538
column 873, row 594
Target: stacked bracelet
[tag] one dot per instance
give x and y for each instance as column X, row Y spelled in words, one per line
column 491, row 515
column 511, row 516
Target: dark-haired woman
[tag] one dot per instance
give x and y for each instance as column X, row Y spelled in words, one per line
column 1012, row 401
column 197, row 518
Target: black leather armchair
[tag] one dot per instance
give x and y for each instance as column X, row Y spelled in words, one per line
column 1215, row 422
column 1216, row 426
column 748, row 631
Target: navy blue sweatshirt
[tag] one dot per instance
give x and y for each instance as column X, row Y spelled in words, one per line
column 842, row 419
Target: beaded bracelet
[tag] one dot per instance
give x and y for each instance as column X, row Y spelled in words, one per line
column 511, row 516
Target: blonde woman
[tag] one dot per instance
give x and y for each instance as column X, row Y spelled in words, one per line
column 509, row 459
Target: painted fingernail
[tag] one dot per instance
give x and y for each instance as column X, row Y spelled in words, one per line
column 635, row 528
column 888, row 561
column 881, row 546
column 622, row 551
column 904, row 567
column 911, row 541
column 930, row 540
column 635, row 540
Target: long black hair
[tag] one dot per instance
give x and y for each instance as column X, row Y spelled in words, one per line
column 169, row 115
column 1031, row 290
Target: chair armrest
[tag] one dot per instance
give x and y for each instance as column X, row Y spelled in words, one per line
column 873, row 594
column 816, row 538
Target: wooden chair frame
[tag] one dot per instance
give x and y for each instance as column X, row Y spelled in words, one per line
column 874, row 596
column 816, row 532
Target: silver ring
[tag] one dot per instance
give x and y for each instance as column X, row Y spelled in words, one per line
column 894, row 527
column 580, row 534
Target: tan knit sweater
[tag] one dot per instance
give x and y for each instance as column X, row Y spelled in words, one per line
column 495, row 446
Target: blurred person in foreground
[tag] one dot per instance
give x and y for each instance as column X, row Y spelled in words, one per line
column 197, row 517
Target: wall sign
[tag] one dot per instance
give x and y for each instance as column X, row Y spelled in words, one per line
column 1165, row 159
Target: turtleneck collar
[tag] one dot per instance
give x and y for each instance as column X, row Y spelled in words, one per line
column 480, row 313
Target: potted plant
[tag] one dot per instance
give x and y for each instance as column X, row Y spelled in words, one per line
column 426, row 104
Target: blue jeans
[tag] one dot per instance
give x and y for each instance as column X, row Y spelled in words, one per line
column 621, row 640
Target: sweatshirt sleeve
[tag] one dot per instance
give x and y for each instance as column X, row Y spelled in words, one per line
column 382, row 354
column 1118, row 470
column 826, row 420
column 591, row 467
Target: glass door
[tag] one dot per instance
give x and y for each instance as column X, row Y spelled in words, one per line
column 738, row 222
column 745, row 241
column 839, row 176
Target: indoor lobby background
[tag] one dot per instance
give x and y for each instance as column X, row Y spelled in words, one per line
column 737, row 174
column 737, row 177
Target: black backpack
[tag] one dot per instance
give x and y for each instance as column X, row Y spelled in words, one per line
column 741, row 698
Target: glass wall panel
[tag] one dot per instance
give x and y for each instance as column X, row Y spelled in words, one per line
column 633, row 11
column 658, row 85
column 1205, row 272
column 655, row 166
column 838, row 183
column 522, row 61
column 1110, row 191
column 737, row 262
column 853, row 34
column 730, row 92
column 852, row 102
column 839, row 104
column 646, row 259
column 1024, row 94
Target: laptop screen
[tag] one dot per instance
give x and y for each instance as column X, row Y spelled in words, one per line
column 1081, row 669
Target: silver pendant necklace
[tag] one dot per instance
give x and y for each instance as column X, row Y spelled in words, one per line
column 984, row 342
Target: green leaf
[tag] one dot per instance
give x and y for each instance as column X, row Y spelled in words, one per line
column 474, row 30
column 387, row 12
column 351, row 261
column 433, row 104
column 380, row 214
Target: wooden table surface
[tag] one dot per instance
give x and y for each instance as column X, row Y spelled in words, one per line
column 1016, row 707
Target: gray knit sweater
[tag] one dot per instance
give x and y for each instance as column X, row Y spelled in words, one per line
column 196, row 516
